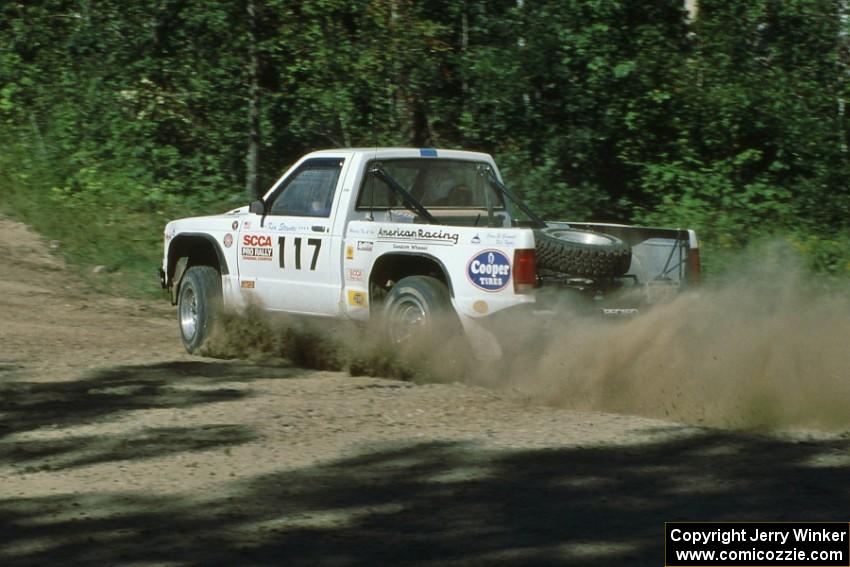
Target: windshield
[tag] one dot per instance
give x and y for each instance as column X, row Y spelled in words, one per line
column 436, row 183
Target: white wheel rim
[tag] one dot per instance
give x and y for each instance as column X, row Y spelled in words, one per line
column 189, row 313
column 582, row 237
column 408, row 318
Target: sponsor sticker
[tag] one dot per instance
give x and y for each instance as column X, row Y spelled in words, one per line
column 257, row 247
column 354, row 274
column 246, row 224
column 481, row 307
column 247, row 284
column 416, row 247
column 476, row 239
column 357, row 298
column 349, row 252
column 284, row 227
column 620, row 312
column 489, row 270
column 502, row 238
column 228, row 240
column 364, row 245
column 235, row 225
column 433, row 236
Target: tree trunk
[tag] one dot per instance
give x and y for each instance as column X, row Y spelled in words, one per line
column 252, row 160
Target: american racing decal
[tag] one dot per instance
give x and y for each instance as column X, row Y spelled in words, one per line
column 489, row 270
column 364, row 245
column 257, row 247
column 408, row 234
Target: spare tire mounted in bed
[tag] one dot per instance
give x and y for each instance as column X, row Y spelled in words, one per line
column 581, row 253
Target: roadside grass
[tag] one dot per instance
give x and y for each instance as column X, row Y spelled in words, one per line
column 112, row 243
column 107, row 224
column 111, row 254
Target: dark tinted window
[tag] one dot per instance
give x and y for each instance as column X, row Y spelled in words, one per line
column 310, row 190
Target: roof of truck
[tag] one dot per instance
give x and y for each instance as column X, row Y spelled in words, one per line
column 385, row 152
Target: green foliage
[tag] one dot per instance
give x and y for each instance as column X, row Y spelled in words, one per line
column 116, row 116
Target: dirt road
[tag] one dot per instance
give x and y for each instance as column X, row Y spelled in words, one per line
column 117, row 448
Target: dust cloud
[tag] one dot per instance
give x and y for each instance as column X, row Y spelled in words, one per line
column 331, row 344
column 767, row 348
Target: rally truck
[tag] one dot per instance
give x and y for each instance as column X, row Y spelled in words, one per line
column 409, row 239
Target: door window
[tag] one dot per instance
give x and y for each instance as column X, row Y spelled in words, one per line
column 310, row 191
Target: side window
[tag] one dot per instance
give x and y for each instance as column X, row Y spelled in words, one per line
column 310, row 191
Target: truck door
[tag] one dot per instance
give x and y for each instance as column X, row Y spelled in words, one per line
column 286, row 261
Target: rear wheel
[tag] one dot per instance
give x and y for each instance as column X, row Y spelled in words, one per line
column 417, row 309
column 198, row 306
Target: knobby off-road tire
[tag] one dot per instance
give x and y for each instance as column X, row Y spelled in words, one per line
column 417, row 311
column 198, row 306
column 581, row 253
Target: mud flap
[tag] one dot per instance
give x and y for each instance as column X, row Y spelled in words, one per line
column 484, row 344
column 179, row 270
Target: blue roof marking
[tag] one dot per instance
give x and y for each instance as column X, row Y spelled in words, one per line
column 428, row 152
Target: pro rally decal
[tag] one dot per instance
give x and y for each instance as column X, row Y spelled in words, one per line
column 257, row 247
column 490, row 270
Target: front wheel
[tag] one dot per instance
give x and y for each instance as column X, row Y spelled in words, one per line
column 198, row 306
column 417, row 310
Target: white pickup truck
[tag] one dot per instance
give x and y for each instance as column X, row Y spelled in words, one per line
column 414, row 237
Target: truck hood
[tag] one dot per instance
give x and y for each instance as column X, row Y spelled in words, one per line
column 224, row 222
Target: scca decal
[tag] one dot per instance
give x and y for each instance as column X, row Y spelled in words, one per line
column 490, row 270
column 256, row 240
column 257, row 248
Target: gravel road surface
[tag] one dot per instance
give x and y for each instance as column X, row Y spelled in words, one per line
column 118, row 448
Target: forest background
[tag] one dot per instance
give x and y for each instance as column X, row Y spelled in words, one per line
column 726, row 116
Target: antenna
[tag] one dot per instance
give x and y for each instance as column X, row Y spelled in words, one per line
column 371, row 216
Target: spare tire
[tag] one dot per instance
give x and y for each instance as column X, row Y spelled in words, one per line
column 581, row 252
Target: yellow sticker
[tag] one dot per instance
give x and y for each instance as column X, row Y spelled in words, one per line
column 357, row 298
column 349, row 252
column 247, row 284
column 481, row 307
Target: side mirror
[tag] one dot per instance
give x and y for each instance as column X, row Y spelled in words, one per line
column 257, row 207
